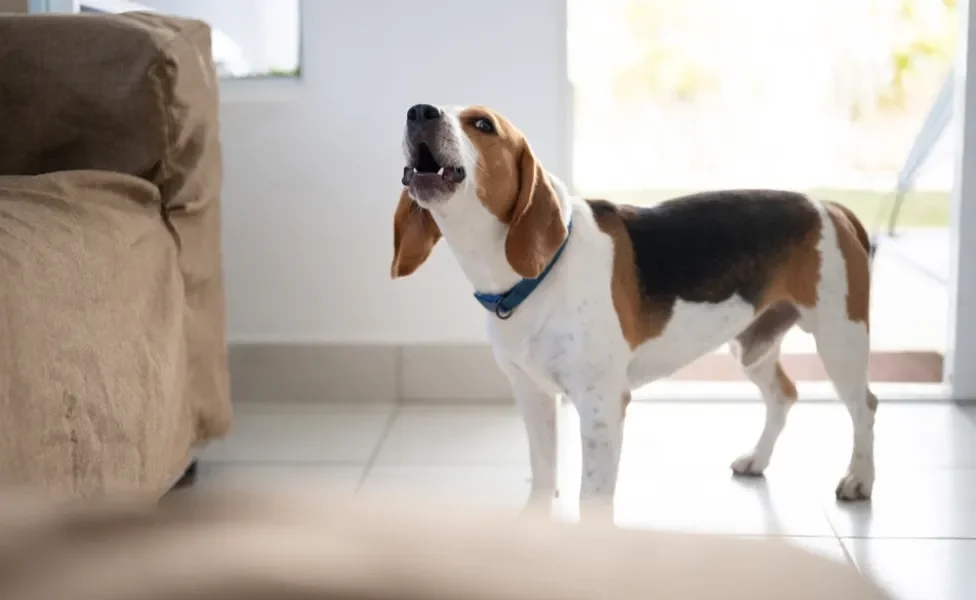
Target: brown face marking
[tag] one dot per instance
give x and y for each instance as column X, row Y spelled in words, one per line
column 513, row 186
column 855, row 247
column 499, row 153
column 414, row 236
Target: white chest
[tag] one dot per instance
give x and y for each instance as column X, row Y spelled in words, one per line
column 568, row 328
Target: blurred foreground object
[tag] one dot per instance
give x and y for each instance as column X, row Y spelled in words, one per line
column 237, row 545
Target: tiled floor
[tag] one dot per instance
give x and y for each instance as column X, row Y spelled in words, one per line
column 918, row 536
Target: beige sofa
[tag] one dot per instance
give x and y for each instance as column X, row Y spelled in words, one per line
column 113, row 360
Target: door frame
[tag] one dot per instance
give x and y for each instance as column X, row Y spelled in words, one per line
column 960, row 360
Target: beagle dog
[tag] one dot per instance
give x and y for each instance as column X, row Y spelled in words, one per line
column 588, row 299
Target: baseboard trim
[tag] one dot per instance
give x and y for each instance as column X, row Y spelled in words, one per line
column 304, row 373
column 299, row 373
column 432, row 374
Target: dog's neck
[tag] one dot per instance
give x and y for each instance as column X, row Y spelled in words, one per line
column 477, row 238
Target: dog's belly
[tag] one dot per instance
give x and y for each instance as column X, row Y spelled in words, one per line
column 693, row 330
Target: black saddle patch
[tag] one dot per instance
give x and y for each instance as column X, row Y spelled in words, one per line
column 710, row 246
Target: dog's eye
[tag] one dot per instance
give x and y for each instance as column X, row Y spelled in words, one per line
column 484, row 125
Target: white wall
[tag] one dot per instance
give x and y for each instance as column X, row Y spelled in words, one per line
column 311, row 183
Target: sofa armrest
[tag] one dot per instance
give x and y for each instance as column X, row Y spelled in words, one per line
column 135, row 94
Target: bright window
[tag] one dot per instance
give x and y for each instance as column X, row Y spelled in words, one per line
column 251, row 38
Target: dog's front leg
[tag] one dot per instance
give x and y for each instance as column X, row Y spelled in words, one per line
column 601, row 412
column 538, row 411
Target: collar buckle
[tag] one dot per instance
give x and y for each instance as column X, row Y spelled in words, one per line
column 504, row 304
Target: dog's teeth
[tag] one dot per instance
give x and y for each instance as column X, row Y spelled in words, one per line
column 441, row 172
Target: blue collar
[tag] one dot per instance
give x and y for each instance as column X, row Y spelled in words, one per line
column 504, row 304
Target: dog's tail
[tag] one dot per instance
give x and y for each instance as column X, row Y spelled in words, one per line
column 862, row 233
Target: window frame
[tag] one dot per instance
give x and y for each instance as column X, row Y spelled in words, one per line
column 257, row 88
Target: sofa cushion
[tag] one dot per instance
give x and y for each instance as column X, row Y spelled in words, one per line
column 75, row 94
column 93, row 364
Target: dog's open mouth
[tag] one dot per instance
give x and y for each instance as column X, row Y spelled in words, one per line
column 425, row 165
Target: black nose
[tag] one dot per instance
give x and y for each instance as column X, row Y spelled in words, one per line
column 421, row 113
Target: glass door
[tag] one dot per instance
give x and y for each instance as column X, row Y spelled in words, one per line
column 824, row 96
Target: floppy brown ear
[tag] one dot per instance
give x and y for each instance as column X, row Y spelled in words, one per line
column 536, row 231
column 414, row 236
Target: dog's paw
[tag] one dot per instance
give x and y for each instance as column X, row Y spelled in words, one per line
column 854, row 487
column 749, row 466
column 539, row 505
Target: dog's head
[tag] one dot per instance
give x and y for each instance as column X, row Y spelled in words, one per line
column 473, row 154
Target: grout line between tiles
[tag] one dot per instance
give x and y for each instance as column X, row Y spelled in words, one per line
column 399, row 387
column 843, row 548
column 282, row 463
column 772, row 536
column 903, row 538
column 837, row 538
column 379, row 447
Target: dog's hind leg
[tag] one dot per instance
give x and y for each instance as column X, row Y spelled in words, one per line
column 758, row 349
column 844, row 348
column 840, row 325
